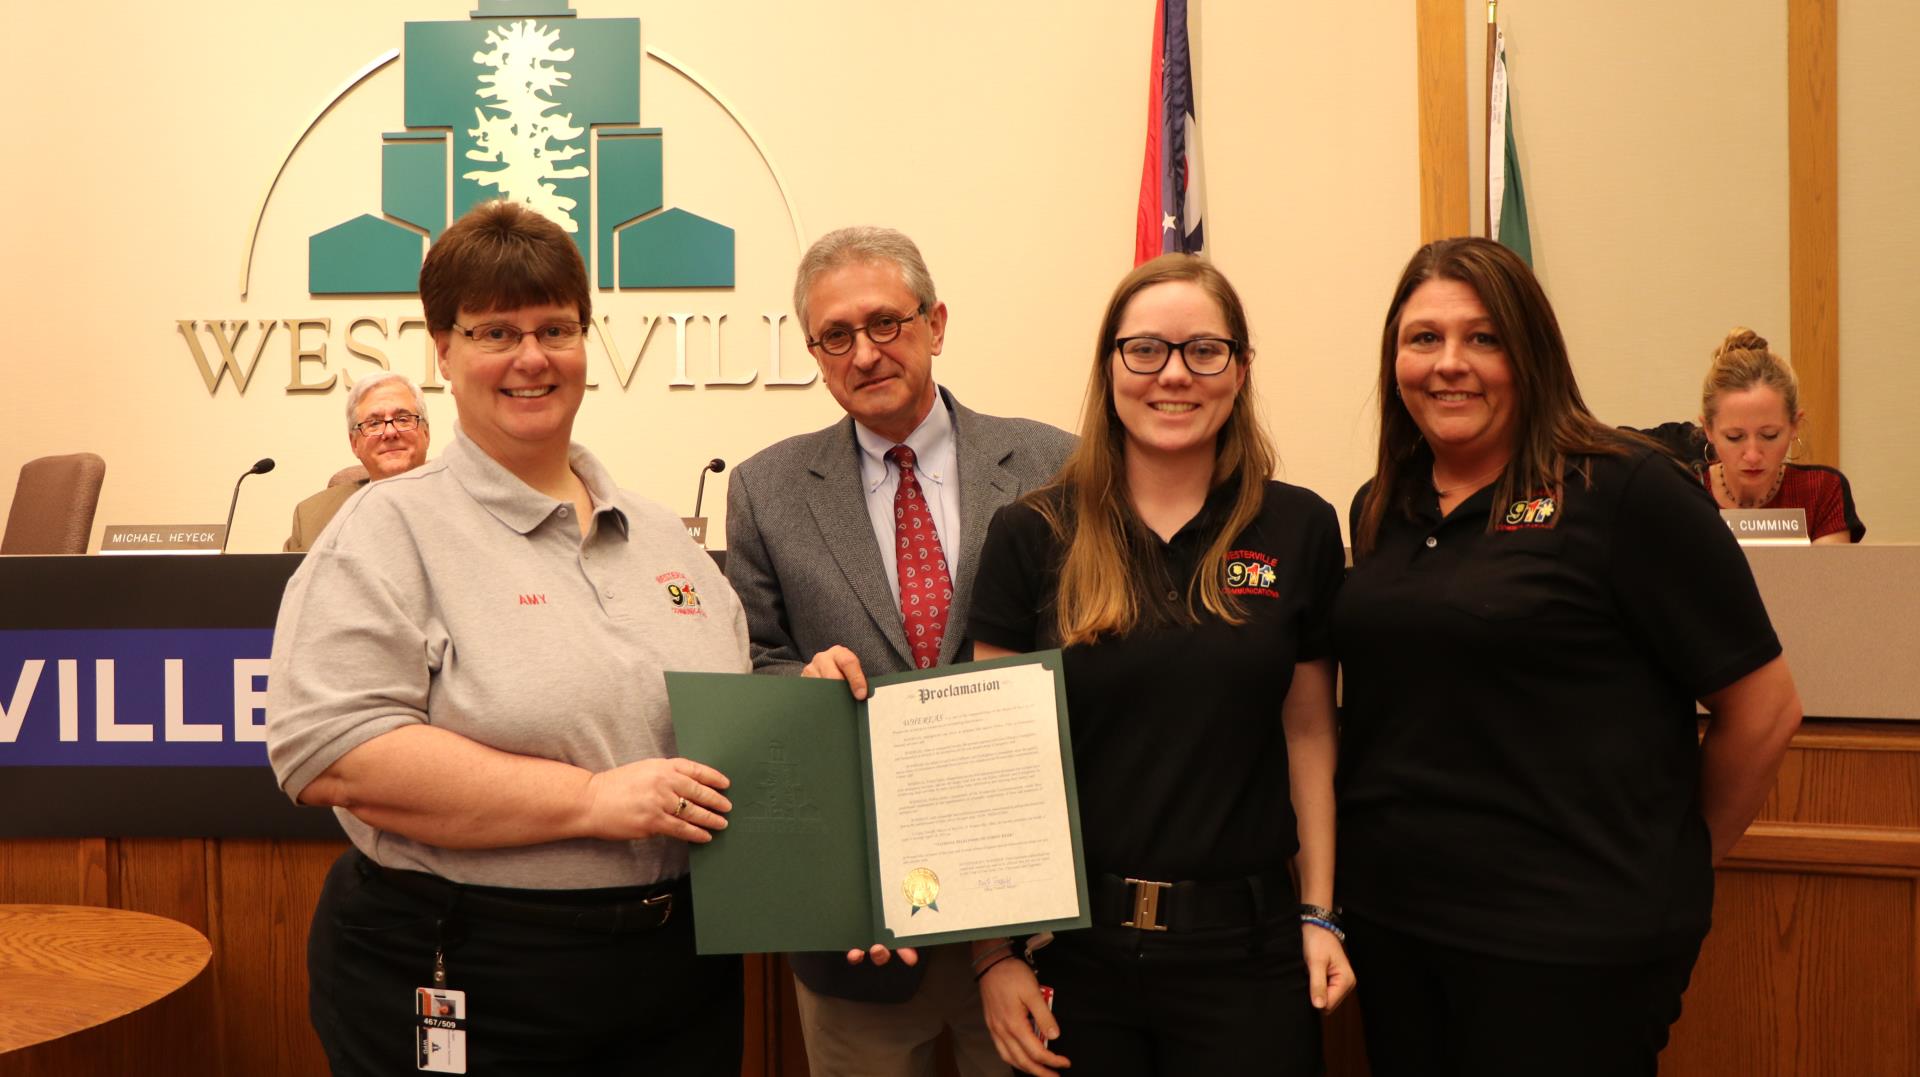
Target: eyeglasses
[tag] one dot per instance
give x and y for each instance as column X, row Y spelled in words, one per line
column 501, row 337
column 1203, row 355
column 401, row 423
column 881, row 328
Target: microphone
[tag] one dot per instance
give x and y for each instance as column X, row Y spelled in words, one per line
column 260, row 467
column 715, row 465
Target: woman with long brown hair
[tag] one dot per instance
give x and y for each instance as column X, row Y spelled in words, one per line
column 1528, row 819
column 1190, row 595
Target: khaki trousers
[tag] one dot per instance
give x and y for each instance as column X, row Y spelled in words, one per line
column 879, row 1039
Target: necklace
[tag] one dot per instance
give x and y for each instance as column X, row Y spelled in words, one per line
column 1471, row 484
column 1720, row 476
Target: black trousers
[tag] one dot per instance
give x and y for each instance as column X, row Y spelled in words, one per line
column 541, row 998
column 1229, row 1001
column 1434, row 1011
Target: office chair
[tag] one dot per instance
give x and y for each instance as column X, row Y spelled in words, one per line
column 53, row 504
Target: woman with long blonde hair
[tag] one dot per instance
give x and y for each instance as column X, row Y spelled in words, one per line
column 1190, row 595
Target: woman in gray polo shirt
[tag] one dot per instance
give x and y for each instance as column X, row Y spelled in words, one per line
column 467, row 668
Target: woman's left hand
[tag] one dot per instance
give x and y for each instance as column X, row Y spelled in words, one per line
column 1329, row 975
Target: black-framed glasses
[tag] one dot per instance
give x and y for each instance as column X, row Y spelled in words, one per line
column 881, row 328
column 401, row 423
column 1202, row 355
column 501, row 337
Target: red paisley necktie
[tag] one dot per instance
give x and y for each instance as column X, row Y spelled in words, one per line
column 926, row 588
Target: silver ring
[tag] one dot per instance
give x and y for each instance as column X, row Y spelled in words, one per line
column 677, row 812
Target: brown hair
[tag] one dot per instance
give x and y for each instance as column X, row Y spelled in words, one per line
column 1551, row 421
column 501, row 256
column 1741, row 362
column 1088, row 505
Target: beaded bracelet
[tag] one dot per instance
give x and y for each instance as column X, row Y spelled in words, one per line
column 1324, row 918
column 1327, row 925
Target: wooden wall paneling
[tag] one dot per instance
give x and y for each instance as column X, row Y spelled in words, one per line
column 1806, row 974
column 790, row 1041
column 1342, row 1036
column 1850, row 775
column 1441, row 37
column 263, row 896
column 54, row 871
column 759, row 1056
column 178, row 1034
column 1813, row 217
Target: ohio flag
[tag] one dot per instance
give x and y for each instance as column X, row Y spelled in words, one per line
column 1172, row 213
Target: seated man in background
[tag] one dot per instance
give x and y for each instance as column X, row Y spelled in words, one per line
column 387, row 430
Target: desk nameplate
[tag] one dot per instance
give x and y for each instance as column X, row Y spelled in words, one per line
column 163, row 538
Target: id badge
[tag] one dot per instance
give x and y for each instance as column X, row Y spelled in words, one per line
column 440, row 1035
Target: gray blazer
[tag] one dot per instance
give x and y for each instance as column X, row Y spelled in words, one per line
column 802, row 556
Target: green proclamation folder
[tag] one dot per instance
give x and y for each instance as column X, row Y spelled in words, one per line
column 799, row 866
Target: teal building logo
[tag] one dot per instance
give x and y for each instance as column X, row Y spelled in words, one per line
column 524, row 101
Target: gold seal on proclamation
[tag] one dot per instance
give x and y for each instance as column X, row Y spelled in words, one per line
column 922, row 888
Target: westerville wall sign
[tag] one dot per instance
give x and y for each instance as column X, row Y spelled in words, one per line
column 523, row 101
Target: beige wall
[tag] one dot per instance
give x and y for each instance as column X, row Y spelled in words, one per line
column 1006, row 137
column 1879, row 235
column 1653, row 141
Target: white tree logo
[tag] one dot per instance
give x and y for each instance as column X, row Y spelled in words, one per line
column 516, row 131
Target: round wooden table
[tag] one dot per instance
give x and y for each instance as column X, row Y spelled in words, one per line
column 64, row 968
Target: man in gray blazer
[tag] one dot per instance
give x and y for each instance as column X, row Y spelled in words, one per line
column 814, row 551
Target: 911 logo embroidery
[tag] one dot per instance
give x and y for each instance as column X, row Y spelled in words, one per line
column 1250, row 572
column 680, row 592
column 1530, row 514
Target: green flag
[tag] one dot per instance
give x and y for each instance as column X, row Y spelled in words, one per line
column 1506, row 197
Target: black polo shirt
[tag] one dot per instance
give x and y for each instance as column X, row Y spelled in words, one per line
column 1178, row 749
column 1519, row 770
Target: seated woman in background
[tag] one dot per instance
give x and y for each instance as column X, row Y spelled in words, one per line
column 1750, row 417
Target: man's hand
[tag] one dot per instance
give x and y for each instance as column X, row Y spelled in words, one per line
column 837, row 663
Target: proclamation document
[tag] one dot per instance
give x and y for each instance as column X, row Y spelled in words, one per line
column 973, row 818
column 941, row 808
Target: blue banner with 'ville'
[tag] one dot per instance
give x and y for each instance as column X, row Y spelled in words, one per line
column 134, row 697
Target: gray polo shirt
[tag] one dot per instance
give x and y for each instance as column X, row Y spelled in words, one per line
column 457, row 595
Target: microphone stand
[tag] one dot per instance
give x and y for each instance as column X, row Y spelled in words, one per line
column 715, row 465
column 260, row 467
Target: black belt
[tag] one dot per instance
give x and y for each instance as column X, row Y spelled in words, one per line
column 1152, row 905
column 617, row 910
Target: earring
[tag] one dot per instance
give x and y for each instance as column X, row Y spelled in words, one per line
column 1798, row 449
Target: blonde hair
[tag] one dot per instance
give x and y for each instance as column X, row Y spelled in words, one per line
column 1741, row 362
column 1088, row 506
